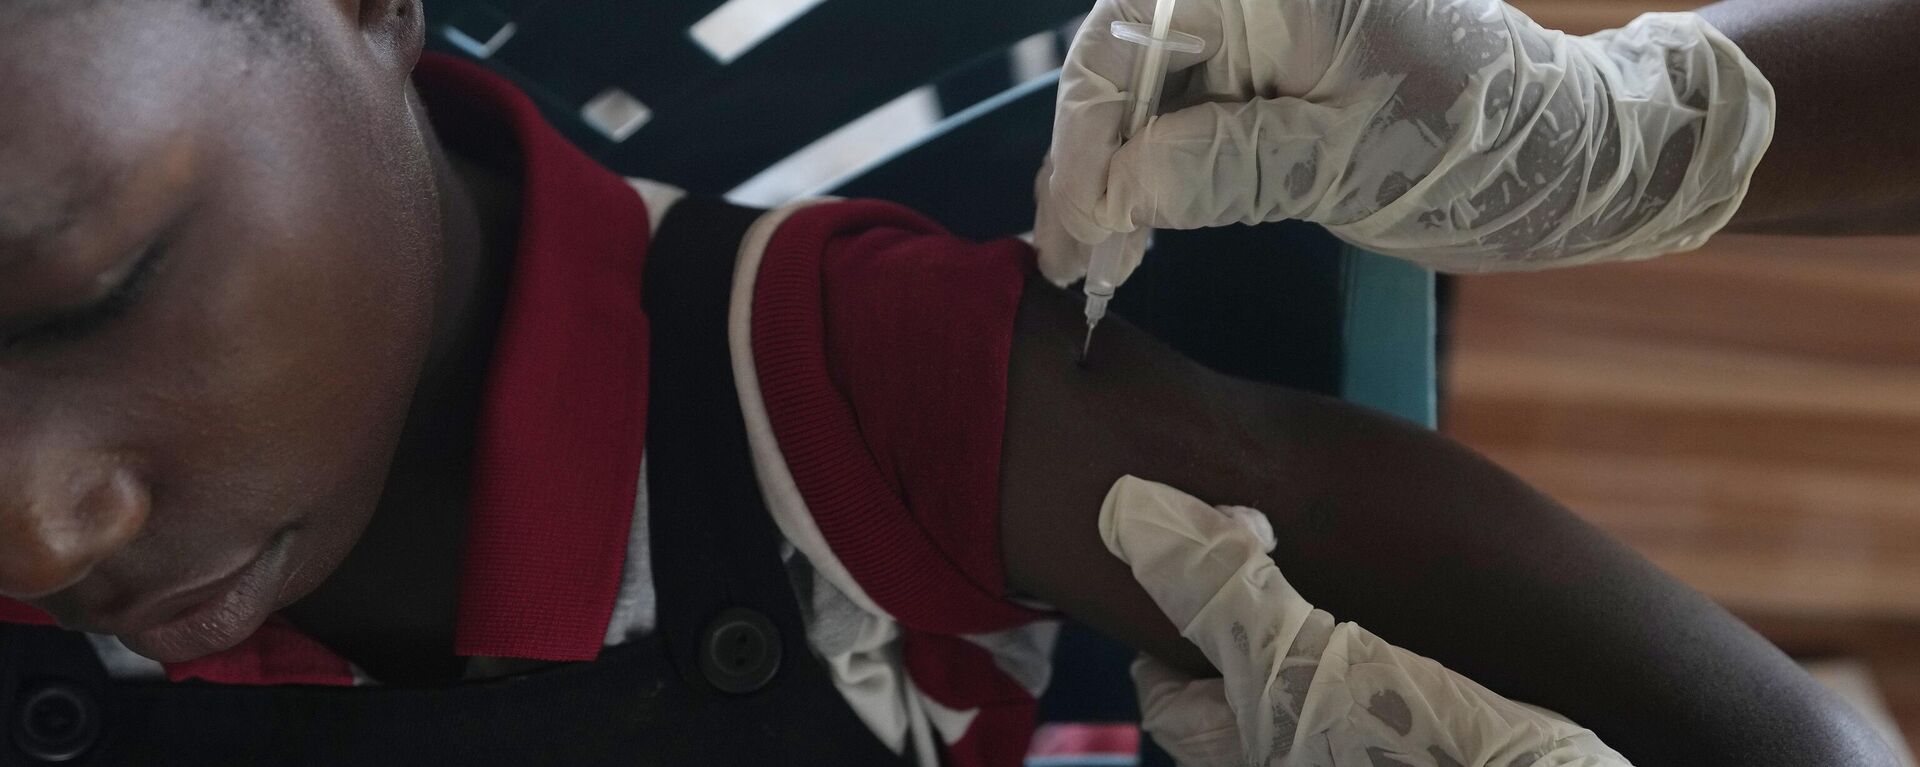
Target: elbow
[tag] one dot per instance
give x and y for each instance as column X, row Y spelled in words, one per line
column 1849, row 739
column 1815, row 729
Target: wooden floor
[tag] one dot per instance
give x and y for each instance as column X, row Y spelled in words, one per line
column 1748, row 416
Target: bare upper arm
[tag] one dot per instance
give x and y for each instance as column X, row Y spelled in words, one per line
column 1136, row 408
column 1392, row 526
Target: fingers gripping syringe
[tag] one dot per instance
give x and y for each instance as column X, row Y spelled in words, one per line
column 1104, row 270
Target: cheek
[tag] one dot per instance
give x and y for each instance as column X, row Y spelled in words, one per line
column 277, row 359
column 313, row 357
column 285, row 382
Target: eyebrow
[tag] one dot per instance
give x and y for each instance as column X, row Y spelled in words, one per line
column 33, row 219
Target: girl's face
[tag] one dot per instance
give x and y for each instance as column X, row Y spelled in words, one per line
column 219, row 255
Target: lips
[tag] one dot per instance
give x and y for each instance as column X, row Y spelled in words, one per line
column 204, row 619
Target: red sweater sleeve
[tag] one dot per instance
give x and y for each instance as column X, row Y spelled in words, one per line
column 882, row 345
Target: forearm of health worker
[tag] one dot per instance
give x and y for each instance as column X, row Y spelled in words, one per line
column 1461, row 135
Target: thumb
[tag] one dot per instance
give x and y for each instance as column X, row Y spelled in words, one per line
column 1209, row 572
column 1216, row 164
column 1188, row 717
column 1183, row 551
column 1091, row 101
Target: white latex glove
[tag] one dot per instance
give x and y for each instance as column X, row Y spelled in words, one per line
column 1296, row 687
column 1455, row 133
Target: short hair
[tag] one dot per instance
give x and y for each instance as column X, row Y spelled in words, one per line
column 272, row 19
column 261, row 12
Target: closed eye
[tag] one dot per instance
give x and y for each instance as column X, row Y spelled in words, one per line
column 78, row 322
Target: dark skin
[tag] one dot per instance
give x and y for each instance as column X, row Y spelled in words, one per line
column 312, row 225
column 293, row 221
column 409, row 639
column 166, row 447
column 1843, row 159
column 1392, row 526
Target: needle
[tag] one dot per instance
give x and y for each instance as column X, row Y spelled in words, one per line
column 1113, row 257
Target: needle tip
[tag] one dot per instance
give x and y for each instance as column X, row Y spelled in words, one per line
column 1086, row 346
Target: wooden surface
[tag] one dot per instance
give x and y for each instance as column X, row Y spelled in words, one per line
column 1748, row 416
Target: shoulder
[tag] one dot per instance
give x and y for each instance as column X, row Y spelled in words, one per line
column 871, row 349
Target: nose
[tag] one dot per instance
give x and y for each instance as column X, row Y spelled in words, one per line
column 56, row 526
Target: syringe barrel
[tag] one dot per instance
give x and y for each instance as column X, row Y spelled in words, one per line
column 1108, row 268
column 1114, row 258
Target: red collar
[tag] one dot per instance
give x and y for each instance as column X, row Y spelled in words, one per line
column 565, row 419
column 563, row 425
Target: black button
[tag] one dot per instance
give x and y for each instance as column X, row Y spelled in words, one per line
column 57, row 722
column 740, row 651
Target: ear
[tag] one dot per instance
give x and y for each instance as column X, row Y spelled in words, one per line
column 395, row 30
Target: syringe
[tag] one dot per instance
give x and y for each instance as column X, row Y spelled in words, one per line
column 1149, row 72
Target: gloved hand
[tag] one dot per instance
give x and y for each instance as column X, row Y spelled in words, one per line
column 1296, row 687
column 1455, row 133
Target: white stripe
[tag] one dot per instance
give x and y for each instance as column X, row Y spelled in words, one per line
column 1034, row 56
column 870, row 678
column 737, row 26
column 658, row 197
column 480, row 49
column 636, row 605
column 616, row 113
column 823, row 164
column 122, row 663
column 777, row 487
column 951, row 724
column 1025, row 653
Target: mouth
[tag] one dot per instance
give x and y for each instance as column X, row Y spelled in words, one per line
column 220, row 614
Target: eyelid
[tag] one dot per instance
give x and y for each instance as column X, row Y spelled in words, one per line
column 109, row 306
